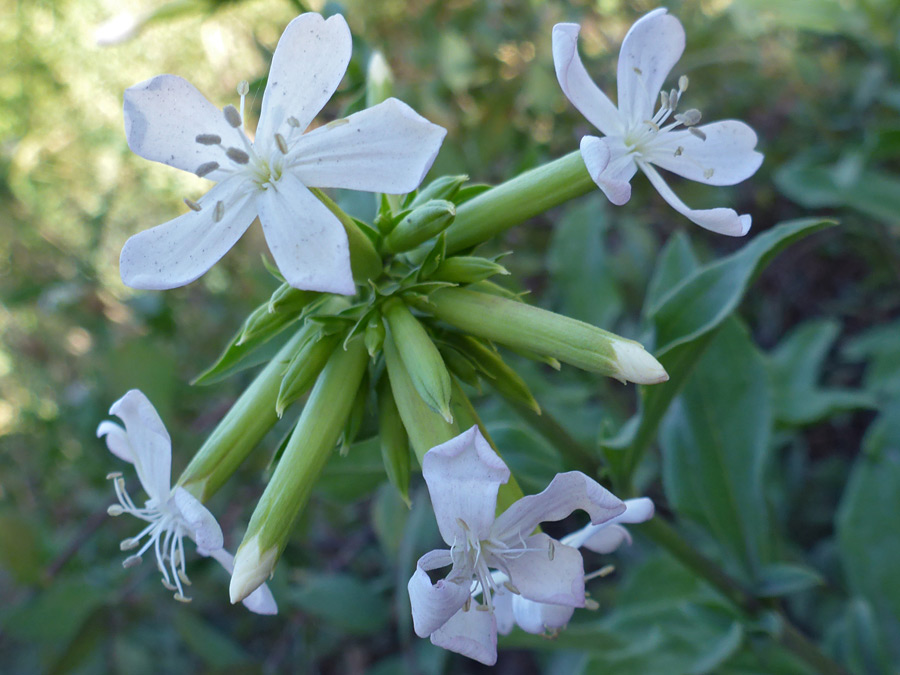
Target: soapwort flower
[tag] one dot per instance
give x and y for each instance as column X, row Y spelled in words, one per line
column 541, row 617
column 387, row 148
column 636, row 137
column 463, row 477
column 171, row 514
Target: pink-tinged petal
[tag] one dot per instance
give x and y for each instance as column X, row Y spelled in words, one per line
column 547, row 571
column 463, row 477
column 607, row 539
column 150, row 443
column 205, row 530
column 578, row 86
column 503, row 608
column 722, row 220
column 472, row 634
column 163, row 117
column 566, row 493
column 260, row 601
column 540, row 617
column 307, row 67
column 387, row 148
column 651, row 47
column 610, row 166
column 726, row 157
column 433, row 604
column 116, row 440
column 637, row 510
column 307, row 240
column 180, row 251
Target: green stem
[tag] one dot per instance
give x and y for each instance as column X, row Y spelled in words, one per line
column 517, row 200
column 364, row 259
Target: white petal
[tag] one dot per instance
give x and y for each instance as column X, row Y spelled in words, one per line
column 566, row 493
column 610, row 166
column 433, row 604
column 387, row 148
column 307, row 66
column 307, row 240
column 204, row 528
column 178, row 252
column 726, row 157
column 543, row 576
column 578, row 86
column 116, row 440
column 651, row 47
column 607, row 539
column 539, row 617
column 163, row 117
column 463, row 477
column 150, row 443
column 637, row 510
column 472, row 634
column 260, row 601
column 721, row 220
column 503, row 608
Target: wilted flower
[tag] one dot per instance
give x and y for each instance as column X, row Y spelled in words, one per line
column 387, row 148
column 171, row 514
column 463, row 477
column 636, row 137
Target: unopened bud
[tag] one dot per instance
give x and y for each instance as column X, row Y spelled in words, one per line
column 379, row 80
column 423, row 223
column 374, row 335
column 303, row 369
column 497, row 373
column 444, row 187
column 465, row 269
column 394, row 440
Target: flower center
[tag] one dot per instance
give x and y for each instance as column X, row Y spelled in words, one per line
column 642, row 134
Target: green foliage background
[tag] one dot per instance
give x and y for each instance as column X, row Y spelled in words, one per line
column 779, row 459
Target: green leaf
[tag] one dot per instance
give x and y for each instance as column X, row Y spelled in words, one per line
column 857, row 640
column 213, row 647
column 344, row 601
column 704, row 300
column 780, row 579
column 715, row 441
column 675, row 262
column 795, row 367
column 880, row 347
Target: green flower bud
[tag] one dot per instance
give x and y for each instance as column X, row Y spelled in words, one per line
column 423, row 223
column 394, row 441
column 290, row 300
column 379, row 80
column 425, row 428
column 303, row 369
column 444, row 187
column 499, row 375
column 465, row 269
column 522, row 326
column 374, row 336
column 421, row 358
column 311, row 443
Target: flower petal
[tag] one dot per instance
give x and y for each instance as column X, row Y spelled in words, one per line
column 578, row 86
column 260, row 601
column 307, row 66
column 433, row 604
column 150, row 443
column 503, row 608
column 566, row 493
column 387, row 148
column 726, row 157
column 547, row 571
column 463, row 477
column 540, row 617
column 610, row 167
column 205, row 530
column 116, row 440
column 651, row 47
column 178, row 252
column 163, row 117
column 607, row 539
column 307, row 240
column 472, row 634
column 722, row 220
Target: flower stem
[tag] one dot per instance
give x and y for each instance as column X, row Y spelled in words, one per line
column 517, row 200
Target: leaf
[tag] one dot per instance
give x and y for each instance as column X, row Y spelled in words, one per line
column 780, row 579
column 344, row 601
column 705, row 299
column 795, row 367
column 216, row 650
column 855, row 639
column 880, row 347
column 715, row 441
column 675, row 262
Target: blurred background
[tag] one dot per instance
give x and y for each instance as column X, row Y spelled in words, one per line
column 817, row 79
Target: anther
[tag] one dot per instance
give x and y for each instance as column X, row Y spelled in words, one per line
column 591, row 604
column 208, row 139
column 683, row 83
column 638, row 70
column 237, row 155
column 689, row 117
column 128, row 544
column 115, row 510
column 699, row 134
column 482, row 608
column 551, row 550
column 281, row 143
column 169, row 587
column 462, row 524
column 206, row 169
column 131, row 561
column 184, row 578
column 293, row 122
column 468, row 605
column 219, row 212
column 232, row 116
column 113, row 475
column 664, row 99
column 243, row 88
column 512, row 589
column 708, row 173
column 679, row 151
column 673, row 99
column 339, row 122
column 181, row 598
column 192, row 205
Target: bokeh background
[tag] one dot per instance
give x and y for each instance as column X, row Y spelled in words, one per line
column 818, row 80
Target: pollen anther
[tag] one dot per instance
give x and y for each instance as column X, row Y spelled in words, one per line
column 232, row 116
column 192, row 205
column 219, row 212
column 281, row 143
column 206, row 169
column 237, row 155
column 208, row 139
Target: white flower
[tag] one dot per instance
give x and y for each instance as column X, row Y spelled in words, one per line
column 636, row 137
column 387, row 148
column 463, row 477
column 171, row 514
column 541, row 617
